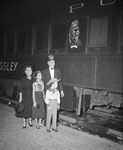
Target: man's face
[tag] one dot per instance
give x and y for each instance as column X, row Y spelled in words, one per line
column 51, row 63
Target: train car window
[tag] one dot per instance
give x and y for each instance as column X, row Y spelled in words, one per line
column 21, row 43
column 121, row 39
column 1, row 45
column 98, row 34
column 116, row 33
column 77, row 35
column 41, row 40
column 29, row 42
column 10, row 45
column 59, row 39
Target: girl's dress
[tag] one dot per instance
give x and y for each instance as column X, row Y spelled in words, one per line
column 26, row 89
column 39, row 112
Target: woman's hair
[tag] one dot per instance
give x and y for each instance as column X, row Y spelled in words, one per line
column 25, row 67
column 35, row 74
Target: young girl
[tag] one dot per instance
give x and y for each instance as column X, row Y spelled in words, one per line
column 38, row 110
column 25, row 95
column 52, row 100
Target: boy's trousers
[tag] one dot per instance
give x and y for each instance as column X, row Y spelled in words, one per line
column 52, row 114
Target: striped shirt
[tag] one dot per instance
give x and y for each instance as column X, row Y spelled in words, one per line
column 52, row 96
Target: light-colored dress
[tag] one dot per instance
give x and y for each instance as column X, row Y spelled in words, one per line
column 39, row 112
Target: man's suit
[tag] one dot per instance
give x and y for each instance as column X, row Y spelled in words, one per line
column 46, row 77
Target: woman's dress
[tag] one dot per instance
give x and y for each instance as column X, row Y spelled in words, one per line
column 26, row 89
column 39, row 112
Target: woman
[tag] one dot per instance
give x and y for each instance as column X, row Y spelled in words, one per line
column 25, row 95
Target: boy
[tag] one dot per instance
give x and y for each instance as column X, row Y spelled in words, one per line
column 52, row 101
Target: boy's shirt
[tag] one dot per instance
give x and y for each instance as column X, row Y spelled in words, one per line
column 50, row 95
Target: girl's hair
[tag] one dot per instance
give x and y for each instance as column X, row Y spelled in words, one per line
column 35, row 74
column 25, row 67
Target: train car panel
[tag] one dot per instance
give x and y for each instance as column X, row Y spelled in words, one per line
column 78, row 71
column 109, row 74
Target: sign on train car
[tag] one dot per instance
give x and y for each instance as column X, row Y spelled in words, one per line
column 87, row 71
column 12, row 67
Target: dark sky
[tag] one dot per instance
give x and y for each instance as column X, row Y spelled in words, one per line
column 10, row 3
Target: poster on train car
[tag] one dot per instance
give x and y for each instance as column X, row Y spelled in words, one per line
column 77, row 35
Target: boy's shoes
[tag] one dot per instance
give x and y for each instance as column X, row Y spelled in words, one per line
column 48, row 130
column 41, row 125
column 37, row 127
column 55, row 130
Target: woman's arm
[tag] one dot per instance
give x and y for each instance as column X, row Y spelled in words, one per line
column 20, row 97
column 20, row 89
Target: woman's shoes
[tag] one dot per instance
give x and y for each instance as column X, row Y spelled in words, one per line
column 30, row 123
column 24, row 124
column 24, row 127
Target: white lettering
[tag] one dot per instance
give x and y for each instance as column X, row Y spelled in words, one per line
column 8, row 66
column 1, row 66
column 4, row 66
column 15, row 65
column 102, row 3
column 11, row 66
column 76, row 6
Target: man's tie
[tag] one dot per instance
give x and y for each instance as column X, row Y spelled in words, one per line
column 52, row 73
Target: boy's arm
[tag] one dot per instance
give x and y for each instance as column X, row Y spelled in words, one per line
column 47, row 97
column 60, row 83
column 58, row 100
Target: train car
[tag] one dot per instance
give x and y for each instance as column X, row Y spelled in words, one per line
column 84, row 36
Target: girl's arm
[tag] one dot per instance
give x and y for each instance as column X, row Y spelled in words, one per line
column 33, row 94
column 44, row 97
column 42, row 86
